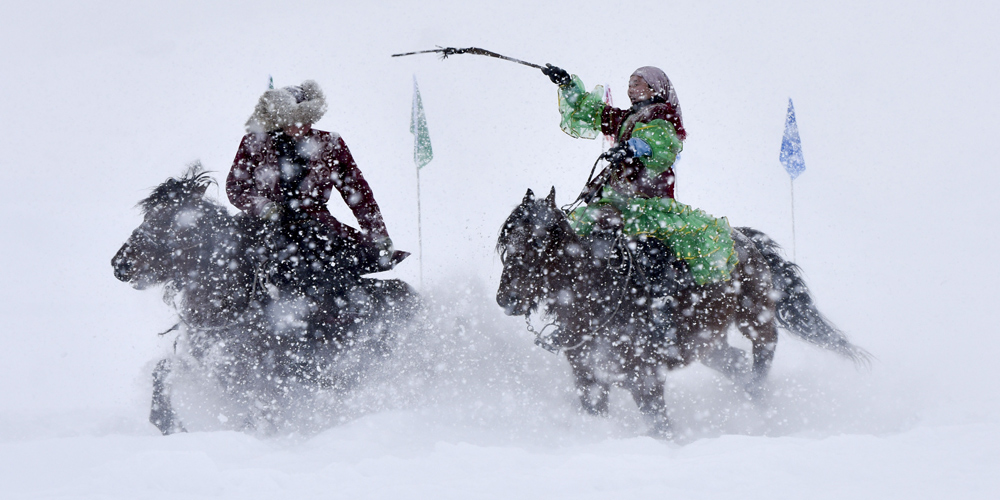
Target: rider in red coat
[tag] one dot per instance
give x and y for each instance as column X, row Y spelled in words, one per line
column 286, row 169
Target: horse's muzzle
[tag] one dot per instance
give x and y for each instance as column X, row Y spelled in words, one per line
column 511, row 303
column 122, row 263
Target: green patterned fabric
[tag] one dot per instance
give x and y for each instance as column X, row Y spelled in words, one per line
column 703, row 241
column 580, row 110
column 664, row 143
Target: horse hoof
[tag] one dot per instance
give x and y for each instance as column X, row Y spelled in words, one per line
column 663, row 433
column 596, row 411
column 755, row 392
column 167, row 425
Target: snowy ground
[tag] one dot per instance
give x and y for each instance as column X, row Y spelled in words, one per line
column 896, row 219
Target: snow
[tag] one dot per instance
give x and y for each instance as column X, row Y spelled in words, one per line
column 895, row 226
column 380, row 458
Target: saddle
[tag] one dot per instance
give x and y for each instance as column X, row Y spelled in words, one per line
column 657, row 266
column 702, row 241
column 298, row 254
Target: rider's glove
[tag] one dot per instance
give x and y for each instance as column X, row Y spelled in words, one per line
column 385, row 247
column 617, row 153
column 639, row 147
column 558, row 75
column 632, row 148
column 271, row 212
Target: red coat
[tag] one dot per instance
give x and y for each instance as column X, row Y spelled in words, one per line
column 253, row 182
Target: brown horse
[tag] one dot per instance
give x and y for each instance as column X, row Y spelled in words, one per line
column 614, row 329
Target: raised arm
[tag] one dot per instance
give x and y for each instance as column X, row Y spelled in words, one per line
column 583, row 114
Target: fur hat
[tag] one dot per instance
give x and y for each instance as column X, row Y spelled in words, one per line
column 279, row 108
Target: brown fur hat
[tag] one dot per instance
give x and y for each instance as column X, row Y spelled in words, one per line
column 279, row 108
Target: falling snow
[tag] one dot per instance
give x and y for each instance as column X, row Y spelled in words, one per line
column 894, row 236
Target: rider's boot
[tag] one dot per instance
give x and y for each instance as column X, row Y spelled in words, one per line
column 665, row 277
column 663, row 272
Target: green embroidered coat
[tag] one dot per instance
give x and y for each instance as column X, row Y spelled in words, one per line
column 642, row 189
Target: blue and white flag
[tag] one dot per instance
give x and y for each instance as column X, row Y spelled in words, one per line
column 791, row 145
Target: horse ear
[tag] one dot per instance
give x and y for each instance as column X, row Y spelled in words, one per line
column 529, row 196
column 551, row 198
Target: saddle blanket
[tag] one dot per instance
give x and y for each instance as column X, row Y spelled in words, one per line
column 703, row 241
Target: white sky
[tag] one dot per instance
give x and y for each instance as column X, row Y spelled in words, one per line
column 896, row 101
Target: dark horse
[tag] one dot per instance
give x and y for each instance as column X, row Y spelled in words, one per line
column 614, row 330
column 267, row 319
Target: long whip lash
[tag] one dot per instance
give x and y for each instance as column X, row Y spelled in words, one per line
column 450, row 51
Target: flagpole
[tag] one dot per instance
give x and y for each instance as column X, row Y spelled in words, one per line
column 422, row 155
column 416, row 163
column 791, row 158
column 792, row 184
column 420, row 232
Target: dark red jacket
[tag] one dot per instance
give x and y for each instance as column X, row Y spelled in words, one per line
column 254, row 182
column 631, row 179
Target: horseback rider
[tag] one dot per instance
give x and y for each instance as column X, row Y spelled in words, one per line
column 635, row 193
column 285, row 171
column 649, row 134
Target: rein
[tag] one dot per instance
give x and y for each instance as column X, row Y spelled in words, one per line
column 582, row 198
column 188, row 327
column 628, row 278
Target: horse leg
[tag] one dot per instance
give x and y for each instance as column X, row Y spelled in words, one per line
column 730, row 361
column 592, row 392
column 711, row 319
column 763, row 335
column 161, row 412
column 757, row 323
column 647, row 391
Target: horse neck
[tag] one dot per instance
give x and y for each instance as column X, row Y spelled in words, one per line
column 564, row 238
column 217, row 273
column 596, row 272
column 572, row 266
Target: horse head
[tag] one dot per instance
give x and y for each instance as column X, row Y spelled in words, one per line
column 157, row 249
column 531, row 245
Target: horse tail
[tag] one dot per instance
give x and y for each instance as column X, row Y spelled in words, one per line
column 795, row 309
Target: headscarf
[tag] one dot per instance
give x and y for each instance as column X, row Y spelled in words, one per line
column 663, row 89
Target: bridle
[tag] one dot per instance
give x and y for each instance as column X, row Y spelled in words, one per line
column 549, row 342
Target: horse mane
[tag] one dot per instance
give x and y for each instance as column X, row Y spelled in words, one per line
column 528, row 212
column 514, row 220
column 175, row 191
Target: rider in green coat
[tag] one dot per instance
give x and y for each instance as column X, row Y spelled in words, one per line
column 636, row 191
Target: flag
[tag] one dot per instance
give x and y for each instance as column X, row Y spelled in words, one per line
column 422, row 152
column 791, row 145
column 609, row 139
